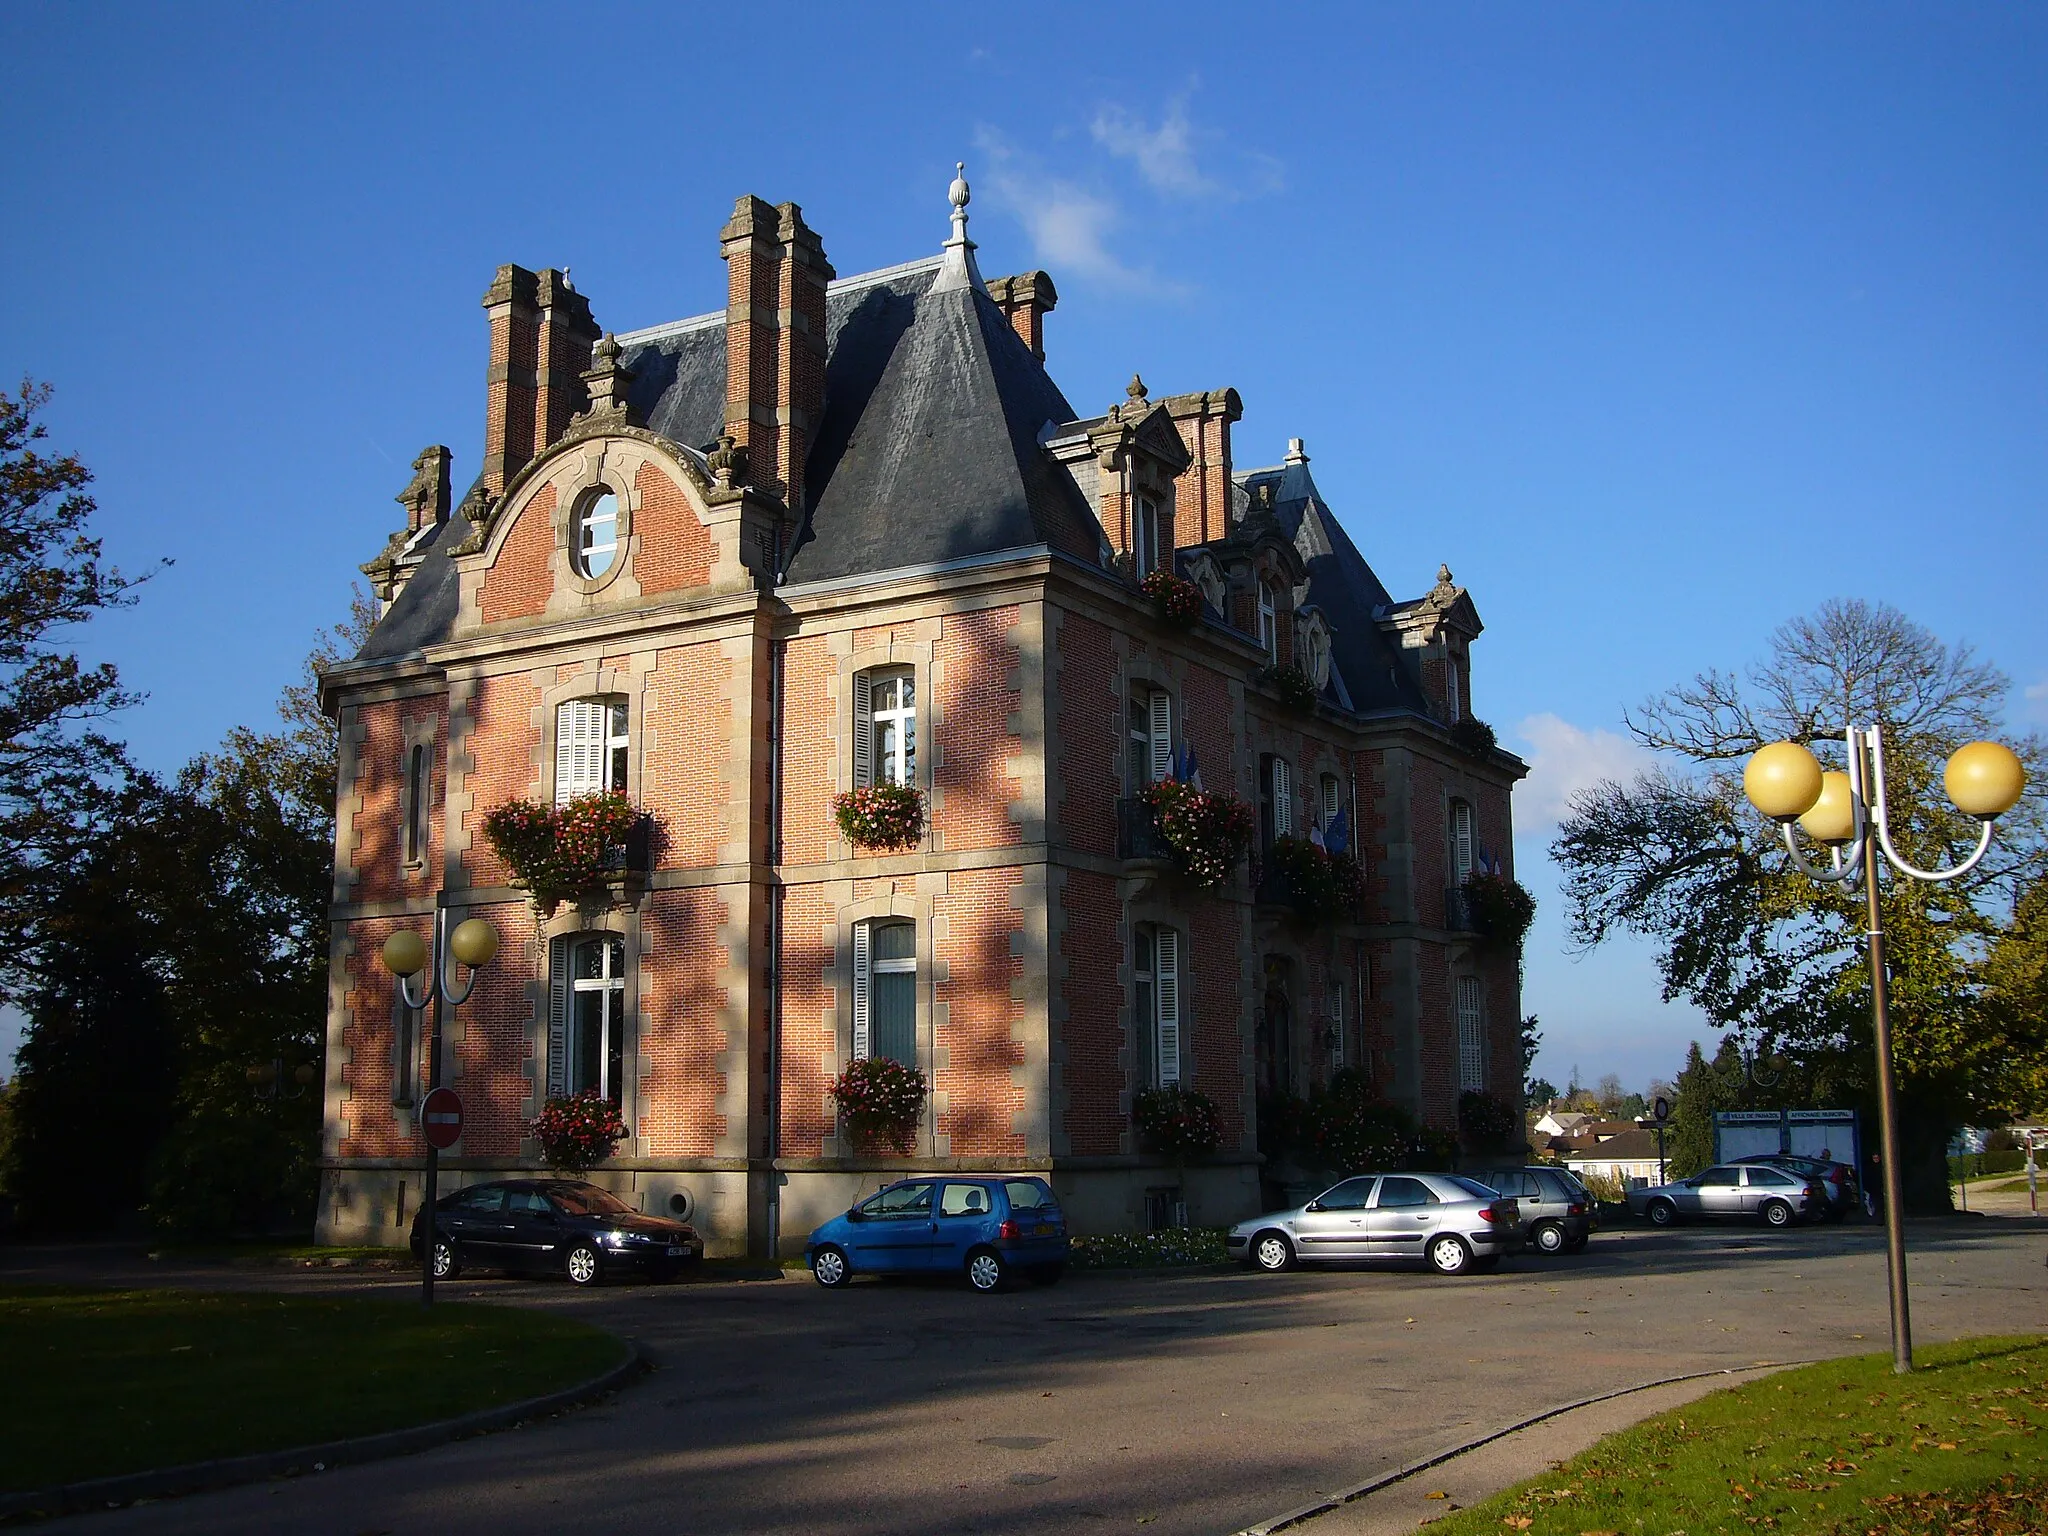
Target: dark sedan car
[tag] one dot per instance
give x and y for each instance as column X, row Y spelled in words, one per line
column 554, row 1227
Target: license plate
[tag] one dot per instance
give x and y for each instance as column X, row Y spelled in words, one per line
column 678, row 1253
column 1045, row 1229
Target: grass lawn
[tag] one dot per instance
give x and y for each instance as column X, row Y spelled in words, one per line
column 1844, row 1448
column 106, row 1382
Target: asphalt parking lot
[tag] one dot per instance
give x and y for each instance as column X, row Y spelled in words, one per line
column 1177, row 1401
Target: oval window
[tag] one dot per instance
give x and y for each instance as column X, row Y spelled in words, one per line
column 597, row 534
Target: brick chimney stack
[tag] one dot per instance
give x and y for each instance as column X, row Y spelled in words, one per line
column 1025, row 301
column 776, row 274
column 562, row 349
column 513, row 304
column 1201, row 493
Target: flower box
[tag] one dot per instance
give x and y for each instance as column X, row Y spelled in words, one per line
column 881, row 818
column 1322, row 887
column 1177, row 1122
column 579, row 1132
column 561, row 852
column 1178, row 600
column 880, row 1101
column 1294, row 686
column 1208, row 833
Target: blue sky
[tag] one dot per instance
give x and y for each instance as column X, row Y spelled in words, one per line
column 1659, row 324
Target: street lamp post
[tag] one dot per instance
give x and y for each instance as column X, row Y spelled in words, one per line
column 1841, row 810
column 472, row 945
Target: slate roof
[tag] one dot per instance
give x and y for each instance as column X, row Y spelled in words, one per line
column 1345, row 588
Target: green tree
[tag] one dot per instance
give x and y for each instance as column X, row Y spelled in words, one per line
column 1772, row 958
column 1704, row 1087
column 1532, row 1041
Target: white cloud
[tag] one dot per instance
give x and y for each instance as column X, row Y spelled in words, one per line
column 1565, row 759
column 2036, row 696
column 1165, row 156
column 1069, row 226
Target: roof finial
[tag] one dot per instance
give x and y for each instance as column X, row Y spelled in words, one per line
column 1136, row 388
column 959, row 270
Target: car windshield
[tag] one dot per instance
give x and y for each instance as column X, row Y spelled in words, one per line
column 1474, row 1188
column 587, row 1200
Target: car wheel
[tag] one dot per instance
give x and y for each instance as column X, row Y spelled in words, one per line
column 830, row 1269
column 447, row 1260
column 1777, row 1213
column 584, row 1264
column 1448, row 1255
column 985, row 1270
column 1272, row 1253
column 1047, row 1274
column 1661, row 1213
column 1548, row 1237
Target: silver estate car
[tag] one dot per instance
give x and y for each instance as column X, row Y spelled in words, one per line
column 1758, row 1191
column 1556, row 1209
column 1451, row 1223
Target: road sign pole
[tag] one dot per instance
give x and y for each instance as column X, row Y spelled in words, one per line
column 433, row 1181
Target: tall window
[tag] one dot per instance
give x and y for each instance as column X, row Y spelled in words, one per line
column 1276, row 797
column 1454, row 699
column 885, row 728
column 590, row 747
column 1145, row 550
column 596, row 1025
column 405, row 1049
column 417, row 792
column 596, row 534
column 1471, row 1035
column 1333, row 797
column 1269, row 622
column 1148, row 736
column 885, row 991
column 1155, row 1002
column 1461, row 842
column 1337, row 1019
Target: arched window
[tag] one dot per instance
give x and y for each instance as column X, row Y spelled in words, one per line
column 1471, row 1034
column 594, row 537
column 885, row 990
column 591, row 747
column 417, row 808
column 885, row 728
column 1461, row 842
column 1156, row 1004
column 594, row 1023
column 1148, row 737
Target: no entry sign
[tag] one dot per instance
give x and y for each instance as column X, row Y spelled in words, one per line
column 441, row 1118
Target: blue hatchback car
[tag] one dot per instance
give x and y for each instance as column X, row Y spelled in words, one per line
column 986, row 1227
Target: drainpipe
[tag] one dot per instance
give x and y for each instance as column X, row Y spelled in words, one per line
column 776, row 650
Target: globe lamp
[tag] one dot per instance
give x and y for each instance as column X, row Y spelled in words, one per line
column 1782, row 780
column 1984, row 779
column 474, row 943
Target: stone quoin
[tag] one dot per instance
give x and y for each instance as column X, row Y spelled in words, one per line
column 847, row 531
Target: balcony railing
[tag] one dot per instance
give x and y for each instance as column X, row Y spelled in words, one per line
column 1458, row 910
column 635, row 856
column 1137, row 831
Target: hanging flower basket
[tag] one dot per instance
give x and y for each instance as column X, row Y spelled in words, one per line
column 1177, row 1122
column 1208, row 833
column 882, row 818
column 560, row 852
column 1296, row 689
column 1178, row 600
column 578, row 1133
column 1502, row 910
column 1322, row 887
column 1474, row 736
column 880, row 1101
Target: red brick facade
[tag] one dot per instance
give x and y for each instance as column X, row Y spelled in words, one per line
column 735, row 1004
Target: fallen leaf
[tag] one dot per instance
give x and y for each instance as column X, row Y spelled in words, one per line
column 1436, row 1493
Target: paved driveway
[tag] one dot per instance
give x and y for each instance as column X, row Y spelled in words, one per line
column 1180, row 1402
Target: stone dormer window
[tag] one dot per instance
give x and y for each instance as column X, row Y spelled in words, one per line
column 1145, row 542
column 1269, row 621
column 1454, row 693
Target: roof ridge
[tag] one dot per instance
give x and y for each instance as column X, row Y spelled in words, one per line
column 668, row 328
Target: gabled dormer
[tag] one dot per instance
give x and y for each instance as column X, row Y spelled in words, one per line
column 1434, row 634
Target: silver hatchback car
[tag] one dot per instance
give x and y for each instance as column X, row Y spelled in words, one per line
column 1453, row 1224
column 1774, row 1196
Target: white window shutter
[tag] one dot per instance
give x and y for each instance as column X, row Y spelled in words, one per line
column 580, row 748
column 863, row 731
column 1283, row 797
column 862, row 969
column 1166, row 990
column 1161, row 731
column 558, row 1020
column 1471, row 1034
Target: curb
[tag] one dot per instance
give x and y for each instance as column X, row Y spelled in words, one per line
column 226, row 1472
column 1323, row 1506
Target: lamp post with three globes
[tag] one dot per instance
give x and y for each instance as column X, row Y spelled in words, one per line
column 405, row 955
column 1842, row 810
